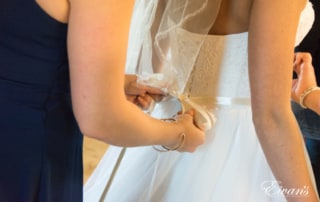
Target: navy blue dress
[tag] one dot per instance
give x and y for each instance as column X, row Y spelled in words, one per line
column 40, row 142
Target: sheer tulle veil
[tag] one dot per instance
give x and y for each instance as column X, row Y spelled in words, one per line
column 153, row 44
column 155, row 56
column 154, row 32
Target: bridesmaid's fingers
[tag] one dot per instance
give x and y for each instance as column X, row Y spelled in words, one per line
column 135, row 89
column 144, row 102
column 155, row 91
column 131, row 98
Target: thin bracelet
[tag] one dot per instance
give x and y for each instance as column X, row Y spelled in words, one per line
column 304, row 95
column 178, row 146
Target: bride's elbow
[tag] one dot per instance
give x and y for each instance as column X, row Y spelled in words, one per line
column 267, row 121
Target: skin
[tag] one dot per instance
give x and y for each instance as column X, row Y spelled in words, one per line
column 97, row 41
column 270, row 62
column 306, row 79
column 270, row 51
column 139, row 94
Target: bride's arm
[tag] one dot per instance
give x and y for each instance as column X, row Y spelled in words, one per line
column 97, row 41
column 272, row 31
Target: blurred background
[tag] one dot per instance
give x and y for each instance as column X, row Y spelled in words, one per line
column 93, row 151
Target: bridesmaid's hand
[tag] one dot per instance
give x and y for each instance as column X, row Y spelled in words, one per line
column 141, row 95
column 194, row 137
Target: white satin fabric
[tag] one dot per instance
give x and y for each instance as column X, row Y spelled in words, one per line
column 229, row 167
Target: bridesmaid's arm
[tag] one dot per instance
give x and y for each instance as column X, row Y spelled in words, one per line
column 272, row 29
column 97, row 41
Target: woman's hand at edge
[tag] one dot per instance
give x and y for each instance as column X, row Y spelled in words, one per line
column 305, row 75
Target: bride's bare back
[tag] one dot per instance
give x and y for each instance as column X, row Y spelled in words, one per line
column 233, row 17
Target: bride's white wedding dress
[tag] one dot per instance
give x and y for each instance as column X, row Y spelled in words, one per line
column 229, row 167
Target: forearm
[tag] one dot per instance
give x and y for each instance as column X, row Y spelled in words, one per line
column 282, row 144
column 97, row 42
column 270, row 68
column 126, row 125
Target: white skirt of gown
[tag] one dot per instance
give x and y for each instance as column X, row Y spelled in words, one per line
column 229, row 167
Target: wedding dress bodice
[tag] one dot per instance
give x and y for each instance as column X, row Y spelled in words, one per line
column 220, row 72
column 221, row 67
column 219, row 75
